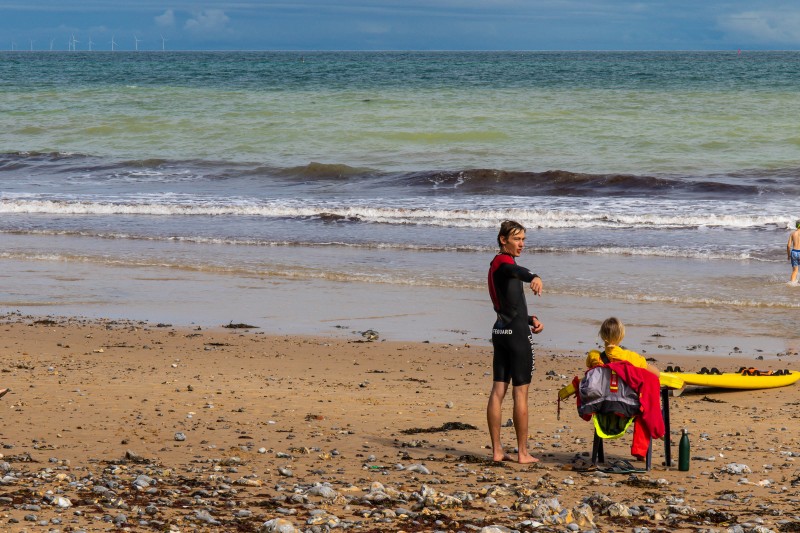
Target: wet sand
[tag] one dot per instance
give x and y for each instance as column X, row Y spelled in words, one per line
column 127, row 424
column 400, row 312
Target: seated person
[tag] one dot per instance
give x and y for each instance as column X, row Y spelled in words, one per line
column 612, row 331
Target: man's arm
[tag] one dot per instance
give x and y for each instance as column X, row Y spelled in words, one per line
column 512, row 270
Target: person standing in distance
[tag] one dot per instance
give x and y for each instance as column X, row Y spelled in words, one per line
column 512, row 339
column 793, row 251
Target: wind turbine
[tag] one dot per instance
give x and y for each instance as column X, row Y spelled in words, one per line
column 51, row 44
column 136, row 42
column 90, row 44
column 163, row 43
column 74, row 42
column 113, row 44
column 31, row 44
column 13, row 46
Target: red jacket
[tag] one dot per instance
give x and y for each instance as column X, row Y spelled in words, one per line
column 650, row 423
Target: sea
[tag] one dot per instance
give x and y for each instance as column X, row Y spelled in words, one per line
column 314, row 189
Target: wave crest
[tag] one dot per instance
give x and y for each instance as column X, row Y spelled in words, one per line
column 449, row 216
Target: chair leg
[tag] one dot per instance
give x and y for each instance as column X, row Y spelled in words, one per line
column 597, row 450
column 665, row 414
column 649, row 457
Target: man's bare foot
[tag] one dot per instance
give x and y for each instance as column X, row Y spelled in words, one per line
column 504, row 457
column 526, row 459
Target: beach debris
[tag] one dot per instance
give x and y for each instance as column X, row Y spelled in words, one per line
column 447, row 426
column 370, row 335
column 712, row 400
column 240, row 325
column 180, row 437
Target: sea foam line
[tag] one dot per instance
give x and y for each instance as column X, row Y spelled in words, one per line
column 559, row 218
column 642, row 251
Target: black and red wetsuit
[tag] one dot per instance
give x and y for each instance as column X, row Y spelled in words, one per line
column 511, row 334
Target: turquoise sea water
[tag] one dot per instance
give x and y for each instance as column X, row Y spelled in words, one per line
column 666, row 178
column 684, row 113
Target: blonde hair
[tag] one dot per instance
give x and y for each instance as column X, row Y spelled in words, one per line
column 612, row 331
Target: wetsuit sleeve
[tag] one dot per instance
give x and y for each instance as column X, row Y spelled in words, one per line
column 511, row 270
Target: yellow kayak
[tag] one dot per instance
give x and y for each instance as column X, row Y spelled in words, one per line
column 673, row 381
column 734, row 380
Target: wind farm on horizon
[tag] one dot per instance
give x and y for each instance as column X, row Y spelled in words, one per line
column 90, row 45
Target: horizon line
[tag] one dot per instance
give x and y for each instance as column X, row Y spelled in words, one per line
column 322, row 50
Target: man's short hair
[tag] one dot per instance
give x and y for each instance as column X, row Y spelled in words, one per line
column 507, row 229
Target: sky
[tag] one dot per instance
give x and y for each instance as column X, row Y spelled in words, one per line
column 400, row 25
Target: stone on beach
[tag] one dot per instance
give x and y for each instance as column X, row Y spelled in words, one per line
column 278, row 525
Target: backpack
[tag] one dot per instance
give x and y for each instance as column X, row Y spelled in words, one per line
column 609, row 400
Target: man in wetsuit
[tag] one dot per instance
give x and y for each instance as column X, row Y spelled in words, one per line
column 512, row 338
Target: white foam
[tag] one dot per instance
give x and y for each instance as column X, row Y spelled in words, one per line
column 449, row 213
column 640, row 251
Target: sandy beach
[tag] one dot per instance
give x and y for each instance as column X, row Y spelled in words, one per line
column 149, row 200
column 138, row 426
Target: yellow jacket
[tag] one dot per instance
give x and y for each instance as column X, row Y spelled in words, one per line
column 615, row 353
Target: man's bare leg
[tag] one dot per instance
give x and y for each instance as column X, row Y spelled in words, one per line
column 520, row 394
column 794, row 274
column 494, row 415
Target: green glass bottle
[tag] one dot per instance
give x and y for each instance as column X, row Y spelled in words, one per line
column 683, row 452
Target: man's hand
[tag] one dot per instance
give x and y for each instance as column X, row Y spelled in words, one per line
column 537, row 326
column 536, row 286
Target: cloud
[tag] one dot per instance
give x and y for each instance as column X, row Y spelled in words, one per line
column 166, row 20
column 208, row 20
column 764, row 26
